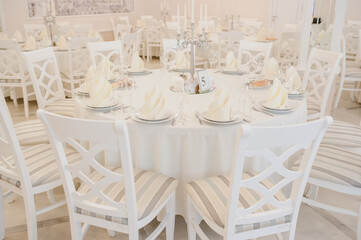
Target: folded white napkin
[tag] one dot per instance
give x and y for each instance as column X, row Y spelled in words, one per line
column 137, row 64
column 231, row 62
column 220, row 109
column 261, row 36
column 3, row 36
column 90, row 75
column 181, row 61
column 30, row 43
column 18, row 36
column 271, row 34
column 104, row 69
column 154, row 104
column 101, row 92
column 70, row 33
column 277, row 96
column 62, row 43
column 44, row 35
column 293, row 81
column 271, row 69
column 178, row 83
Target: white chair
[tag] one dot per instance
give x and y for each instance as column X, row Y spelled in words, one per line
column 131, row 45
column 169, row 53
column 227, row 41
column 153, row 38
column 112, row 51
column 119, row 199
column 78, row 63
column 12, row 73
column 146, row 17
column 120, row 30
column 171, row 30
column 254, row 52
column 209, row 25
column 34, row 30
column 351, row 33
column 63, row 28
column 45, row 76
column 82, row 29
column 26, row 172
column 349, row 76
column 251, row 28
column 248, row 205
column 321, row 69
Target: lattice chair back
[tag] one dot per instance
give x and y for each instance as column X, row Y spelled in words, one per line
column 123, row 20
column 120, row 30
column 82, row 29
column 101, row 136
column 34, row 30
column 154, row 35
column 171, row 29
column 228, row 41
column 14, row 174
column 321, row 69
column 63, row 28
column 352, row 42
column 277, row 146
column 131, row 45
column 289, row 46
column 112, row 51
column 254, row 54
column 11, row 63
column 169, row 53
column 45, row 76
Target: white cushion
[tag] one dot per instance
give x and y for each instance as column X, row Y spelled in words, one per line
column 343, row 134
column 31, row 132
column 64, row 107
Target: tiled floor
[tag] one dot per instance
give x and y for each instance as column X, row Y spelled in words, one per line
column 312, row 224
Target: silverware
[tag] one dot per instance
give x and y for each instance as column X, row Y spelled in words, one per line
column 197, row 116
column 259, row 110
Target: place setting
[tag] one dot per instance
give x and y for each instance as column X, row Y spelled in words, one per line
column 137, row 66
column 232, row 67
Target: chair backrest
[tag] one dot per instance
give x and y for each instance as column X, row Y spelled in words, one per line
column 113, row 51
column 254, row 52
column 256, row 142
column 146, row 17
column 251, row 28
column 169, row 53
column 321, row 69
column 289, row 45
column 131, row 45
column 14, row 173
column 352, row 41
column 45, row 76
column 171, row 28
column 78, row 55
column 63, row 28
column 228, row 41
column 123, row 20
column 153, row 35
column 102, row 136
column 82, row 29
column 11, row 63
column 34, row 30
column 120, row 30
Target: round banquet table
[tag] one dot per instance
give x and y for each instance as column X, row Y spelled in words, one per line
column 191, row 151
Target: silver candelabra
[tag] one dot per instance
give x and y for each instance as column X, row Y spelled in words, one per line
column 49, row 20
column 201, row 41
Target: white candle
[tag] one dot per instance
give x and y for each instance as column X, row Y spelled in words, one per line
column 185, row 16
column 178, row 19
column 201, row 13
column 206, row 16
column 192, row 11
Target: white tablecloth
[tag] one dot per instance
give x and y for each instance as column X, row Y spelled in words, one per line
column 191, row 151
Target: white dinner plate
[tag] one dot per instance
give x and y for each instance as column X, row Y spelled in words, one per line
column 166, row 115
column 290, row 108
column 80, row 91
column 204, row 117
column 135, row 118
column 103, row 108
column 232, row 72
column 144, row 72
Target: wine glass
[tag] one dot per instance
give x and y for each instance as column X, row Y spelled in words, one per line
column 213, row 60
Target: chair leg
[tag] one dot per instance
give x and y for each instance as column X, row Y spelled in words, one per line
column 76, row 230
column 13, row 96
column 2, row 215
column 312, row 192
column 359, row 224
column 148, row 54
column 192, row 215
column 30, row 215
column 339, row 92
column 170, row 208
column 26, row 101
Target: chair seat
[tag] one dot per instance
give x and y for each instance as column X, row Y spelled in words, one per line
column 41, row 165
column 210, row 197
column 343, row 134
column 64, row 107
column 31, row 132
column 336, row 165
column 152, row 190
column 312, row 108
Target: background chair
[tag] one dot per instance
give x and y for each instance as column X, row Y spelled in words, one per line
column 26, row 172
column 34, row 30
column 153, row 40
column 227, row 41
column 247, row 205
column 119, row 199
column 45, row 76
column 131, row 45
